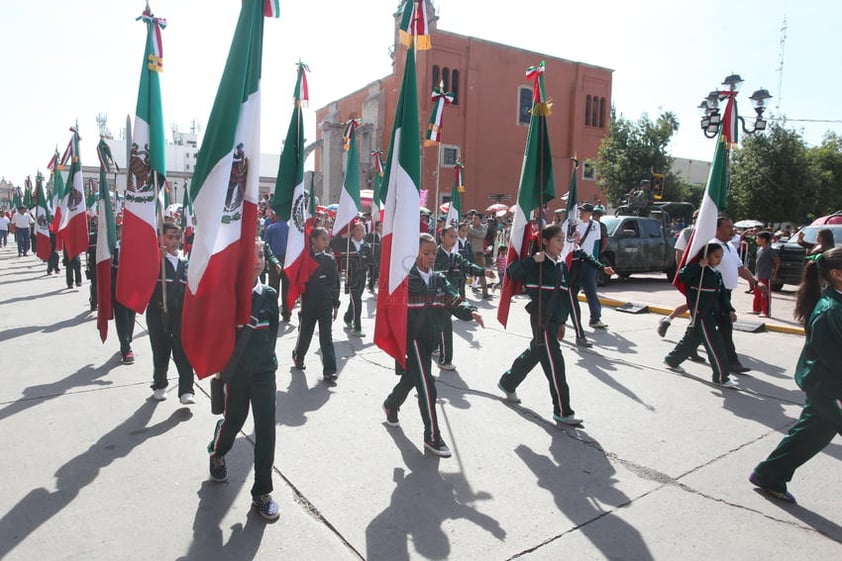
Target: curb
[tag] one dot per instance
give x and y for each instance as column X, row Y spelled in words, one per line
column 613, row 303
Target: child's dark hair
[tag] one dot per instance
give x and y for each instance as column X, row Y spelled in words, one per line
column 708, row 249
column 169, row 226
column 766, row 236
column 426, row 238
column 550, row 231
column 317, row 232
column 816, row 274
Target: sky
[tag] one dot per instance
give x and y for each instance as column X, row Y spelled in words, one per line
column 70, row 61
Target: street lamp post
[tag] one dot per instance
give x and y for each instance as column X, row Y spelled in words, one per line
column 712, row 120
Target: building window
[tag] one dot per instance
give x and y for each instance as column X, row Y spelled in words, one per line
column 602, row 112
column 524, row 105
column 454, row 86
column 445, row 78
column 436, row 76
column 589, row 170
column 595, row 112
column 587, row 110
column 449, row 156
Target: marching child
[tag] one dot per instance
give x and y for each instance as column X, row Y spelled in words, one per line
column 765, row 269
column 551, row 288
column 454, row 266
column 253, row 383
column 817, row 373
column 431, row 302
column 704, row 286
column 319, row 303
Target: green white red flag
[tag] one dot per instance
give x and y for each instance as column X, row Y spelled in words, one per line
column 349, row 197
column 536, row 188
column 414, row 27
column 454, row 210
column 43, row 248
column 73, row 228
column 571, row 217
column 225, row 190
column 140, row 253
column 106, row 242
column 290, row 202
column 377, row 194
column 441, row 99
column 713, row 203
column 54, row 201
column 400, row 219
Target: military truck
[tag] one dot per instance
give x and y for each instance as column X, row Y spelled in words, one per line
column 643, row 244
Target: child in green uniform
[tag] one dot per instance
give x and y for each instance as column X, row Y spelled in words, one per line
column 319, row 303
column 704, row 286
column 431, row 302
column 454, row 266
column 546, row 279
column 818, row 373
column 253, row 383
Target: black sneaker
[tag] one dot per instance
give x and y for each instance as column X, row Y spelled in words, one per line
column 784, row 495
column 437, row 447
column 663, row 325
column 218, row 469
column 391, row 415
column 582, row 342
column 299, row 364
column 128, row 358
column 266, row 506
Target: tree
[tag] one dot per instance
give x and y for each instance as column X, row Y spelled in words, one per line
column 826, row 176
column 633, row 151
column 770, row 177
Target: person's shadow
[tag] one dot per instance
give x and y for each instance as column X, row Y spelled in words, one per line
column 36, row 395
column 215, row 500
column 408, row 519
column 40, row 505
column 299, row 399
column 578, row 496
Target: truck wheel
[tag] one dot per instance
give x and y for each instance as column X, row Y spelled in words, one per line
column 777, row 286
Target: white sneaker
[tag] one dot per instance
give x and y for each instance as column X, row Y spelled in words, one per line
column 187, row 399
column 571, row 420
column 511, row 397
column 728, row 384
column 598, row 324
column 449, row 366
column 160, row 394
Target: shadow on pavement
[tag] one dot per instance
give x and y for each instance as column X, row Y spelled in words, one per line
column 36, row 395
column 39, row 505
column 215, row 500
column 582, row 502
column 30, row 297
column 812, row 519
column 605, row 370
column 21, row 331
column 422, row 500
column 299, row 399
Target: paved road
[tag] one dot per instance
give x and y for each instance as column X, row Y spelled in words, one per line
column 94, row 470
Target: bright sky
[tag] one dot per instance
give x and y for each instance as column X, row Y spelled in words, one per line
column 73, row 60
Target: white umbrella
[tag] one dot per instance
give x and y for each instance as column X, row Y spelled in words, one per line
column 749, row 224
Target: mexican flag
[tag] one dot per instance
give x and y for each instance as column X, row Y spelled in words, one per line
column 140, row 253
column 57, row 194
column 454, row 210
column 225, row 192
column 713, row 203
column 43, row 248
column 536, row 188
column 377, row 195
column 73, row 228
column 571, row 217
column 291, row 201
column 349, row 198
column 27, row 193
column 106, row 241
column 400, row 221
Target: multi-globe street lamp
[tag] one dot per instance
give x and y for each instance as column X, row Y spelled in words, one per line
column 712, row 119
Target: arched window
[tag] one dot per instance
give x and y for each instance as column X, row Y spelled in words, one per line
column 436, row 76
column 454, row 85
column 595, row 112
column 587, row 111
column 602, row 112
column 445, row 78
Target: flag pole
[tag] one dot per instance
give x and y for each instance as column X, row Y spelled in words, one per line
column 160, row 216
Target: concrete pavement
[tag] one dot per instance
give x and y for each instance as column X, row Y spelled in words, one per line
column 96, row 470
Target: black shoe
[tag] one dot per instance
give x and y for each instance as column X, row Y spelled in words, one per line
column 696, row 357
column 391, row 415
column 299, row 364
column 663, row 325
column 330, row 377
column 437, row 447
column 737, row 368
column 285, row 318
column 218, row 470
column 582, row 342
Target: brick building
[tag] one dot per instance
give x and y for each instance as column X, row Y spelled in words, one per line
column 485, row 127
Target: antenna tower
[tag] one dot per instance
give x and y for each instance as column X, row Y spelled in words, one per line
column 781, row 70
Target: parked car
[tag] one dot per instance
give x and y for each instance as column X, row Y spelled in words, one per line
column 793, row 255
column 639, row 244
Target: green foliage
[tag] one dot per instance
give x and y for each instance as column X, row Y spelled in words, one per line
column 633, row 151
column 826, row 177
column 770, row 177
